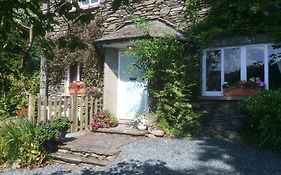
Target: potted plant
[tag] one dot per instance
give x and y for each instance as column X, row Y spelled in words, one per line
column 61, row 124
column 77, row 87
column 243, row 88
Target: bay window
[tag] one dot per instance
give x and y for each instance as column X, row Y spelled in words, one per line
column 232, row 64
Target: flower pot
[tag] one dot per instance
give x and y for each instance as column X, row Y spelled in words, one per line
column 77, row 90
column 241, row 92
column 73, row 91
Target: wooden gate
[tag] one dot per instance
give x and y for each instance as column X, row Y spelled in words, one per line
column 78, row 109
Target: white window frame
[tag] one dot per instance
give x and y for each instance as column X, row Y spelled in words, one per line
column 68, row 77
column 90, row 5
column 243, row 67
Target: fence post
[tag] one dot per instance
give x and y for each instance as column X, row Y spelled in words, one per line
column 81, row 117
column 31, row 108
column 87, row 113
column 73, row 113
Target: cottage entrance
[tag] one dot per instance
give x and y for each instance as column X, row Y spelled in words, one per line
column 132, row 93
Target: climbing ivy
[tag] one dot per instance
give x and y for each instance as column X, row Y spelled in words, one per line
column 169, row 66
column 217, row 19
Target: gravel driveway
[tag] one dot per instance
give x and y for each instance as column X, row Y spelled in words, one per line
column 178, row 156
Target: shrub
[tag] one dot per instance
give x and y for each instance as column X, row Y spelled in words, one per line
column 170, row 66
column 17, row 143
column 263, row 127
column 60, row 123
column 49, row 134
column 103, row 119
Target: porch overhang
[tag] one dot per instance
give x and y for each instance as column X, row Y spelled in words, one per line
column 153, row 28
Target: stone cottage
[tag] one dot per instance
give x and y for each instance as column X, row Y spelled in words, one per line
column 124, row 92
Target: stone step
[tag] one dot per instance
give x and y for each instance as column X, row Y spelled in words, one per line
column 82, row 150
column 122, row 129
column 77, row 159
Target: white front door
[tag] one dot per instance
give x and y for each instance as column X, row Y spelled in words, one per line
column 132, row 93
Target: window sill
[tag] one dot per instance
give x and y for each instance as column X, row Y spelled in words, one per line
column 222, row 98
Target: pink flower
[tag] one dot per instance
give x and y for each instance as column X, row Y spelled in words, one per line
column 107, row 125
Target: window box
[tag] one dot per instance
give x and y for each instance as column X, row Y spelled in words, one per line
column 77, row 91
column 240, row 92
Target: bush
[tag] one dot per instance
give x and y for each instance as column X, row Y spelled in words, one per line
column 170, row 66
column 263, row 127
column 103, row 119
column 17, row 143
column 48, row 134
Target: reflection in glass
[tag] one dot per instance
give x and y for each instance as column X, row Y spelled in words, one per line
column 232, row 65
column 213, row 70
column 274, row 67
column 73, row 72
column 255, row 63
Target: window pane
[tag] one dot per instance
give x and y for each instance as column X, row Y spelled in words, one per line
column 255, row 63
column 84, row 2
column 73, row 72
column 213, row 70
column 274, row 66
column 232, row 65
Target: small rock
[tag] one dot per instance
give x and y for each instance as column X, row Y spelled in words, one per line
column 157, row 133
column 111, row 158
column 151, row 136
column 165, row 11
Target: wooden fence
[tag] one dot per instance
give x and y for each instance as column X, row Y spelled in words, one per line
column 78, row 109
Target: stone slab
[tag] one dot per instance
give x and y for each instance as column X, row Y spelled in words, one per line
column 98, row 143
column 122, row 129
column 70, row 158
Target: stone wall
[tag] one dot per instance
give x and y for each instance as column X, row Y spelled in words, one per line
column 172, row 11
column 219, row 117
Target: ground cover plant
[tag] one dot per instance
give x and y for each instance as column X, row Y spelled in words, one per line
column 263, row 125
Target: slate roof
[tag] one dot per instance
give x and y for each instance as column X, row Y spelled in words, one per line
column 154, row 27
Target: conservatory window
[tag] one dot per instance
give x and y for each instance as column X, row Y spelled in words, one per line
column 232, row 64
column 274, row 67
column 88, row 3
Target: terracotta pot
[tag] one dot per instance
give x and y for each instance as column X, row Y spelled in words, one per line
column 77, row 90
column 241, row 92
column 73, row 91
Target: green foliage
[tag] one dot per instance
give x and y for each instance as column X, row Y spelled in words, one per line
column 263, row 127
column 170, row 68
column 234, row 18
column 117, row 3
column 17, row 143
column 48, row 134
column 60, row 123
column 16, row 97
